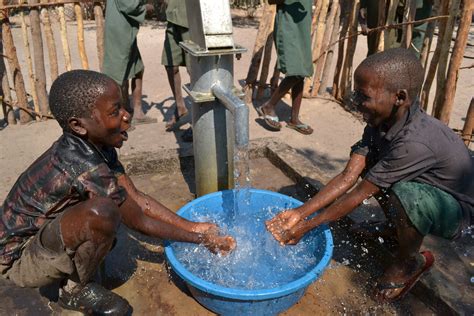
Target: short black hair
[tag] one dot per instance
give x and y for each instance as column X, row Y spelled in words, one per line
column 74, row 94
column 399, row 68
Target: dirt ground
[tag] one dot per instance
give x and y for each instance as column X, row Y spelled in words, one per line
column 335, row 130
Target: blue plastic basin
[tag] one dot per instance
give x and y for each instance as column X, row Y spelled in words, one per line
column 229, row 301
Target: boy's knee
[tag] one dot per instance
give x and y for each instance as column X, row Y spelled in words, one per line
column 105, row 210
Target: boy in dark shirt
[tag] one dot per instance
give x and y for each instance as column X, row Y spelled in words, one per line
column 61, row 216
column 418, row 169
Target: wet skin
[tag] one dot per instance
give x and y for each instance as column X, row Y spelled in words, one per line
column 381, row 108
column 97, row 219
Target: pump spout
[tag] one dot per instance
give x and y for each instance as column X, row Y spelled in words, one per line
column 240, row 113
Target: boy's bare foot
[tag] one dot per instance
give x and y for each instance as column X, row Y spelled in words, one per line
column 399, row 278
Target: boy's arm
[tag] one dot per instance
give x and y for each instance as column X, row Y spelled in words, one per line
column 339, row 185
column 340, row 208
column 158, row 211
column 146, row 215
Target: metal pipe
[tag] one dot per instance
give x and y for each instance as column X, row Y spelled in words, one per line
column 239, row 110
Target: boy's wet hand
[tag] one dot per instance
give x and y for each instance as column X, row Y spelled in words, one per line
column 206, row 228
column 283, row 221
column 219, row 244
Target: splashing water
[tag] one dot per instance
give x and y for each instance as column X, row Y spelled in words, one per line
column 258, row 262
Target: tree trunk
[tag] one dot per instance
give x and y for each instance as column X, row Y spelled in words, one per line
column 29, row 62
column 14, row 65
column 447, row 98
column 48, row 32
column 263, row 30
column 319, row 16
column 38, row 55
column 319, row 63
column 325, row 77
column 443, row 58
column 99, row 21
column 63, row 29
column 80, row 36
column 468, row 125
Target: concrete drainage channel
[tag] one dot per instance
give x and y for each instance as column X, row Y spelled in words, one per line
column 308, row 179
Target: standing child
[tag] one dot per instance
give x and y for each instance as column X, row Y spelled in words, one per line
column 122, row 59
column 293, row 45
column 417, row 167
column 61, row 217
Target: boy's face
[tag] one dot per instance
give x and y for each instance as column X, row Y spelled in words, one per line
column 372, row 99
column 109, row 120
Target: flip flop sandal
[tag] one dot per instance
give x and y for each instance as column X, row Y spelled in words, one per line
column 407, row 285
column 272, row 122
column 304, row 129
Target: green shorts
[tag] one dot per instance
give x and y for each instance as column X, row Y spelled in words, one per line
column 173, row 54
column 431, row 210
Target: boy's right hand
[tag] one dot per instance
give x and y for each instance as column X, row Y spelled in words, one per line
column 219, row 244
column 285, row 220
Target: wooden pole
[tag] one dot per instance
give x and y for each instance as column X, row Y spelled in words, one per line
column 63, row 30
column 325, row 77
column 320, row 13
column 257, row 54
column 14, row 65
column 468, row 128
column 99, row 21
column 381, row 20
column 38, row 56
column 427, row 41
column 425, row 93
column 8, row 112
column 48, row 32
column 408, row 16
column 346, row 77
column 29, row 62
column 340, row 52
column 80, row 35
column 389, row 34
column 320, row 62
column 267, row 57
column 447, row 98
column 443, row 58
column 47, row 4
column 275, row 78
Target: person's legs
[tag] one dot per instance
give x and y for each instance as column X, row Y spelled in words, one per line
column 137, row 84
column 296, row 98
column 416, row 209
column 70, row 248
column 174, row 79
column 268, row 108
column 125, row 97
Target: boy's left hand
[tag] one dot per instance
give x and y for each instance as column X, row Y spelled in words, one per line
column 219, row 244
column 205, row 228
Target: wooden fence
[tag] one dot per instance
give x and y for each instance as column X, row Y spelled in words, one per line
column 335, row 26
column 39, row 14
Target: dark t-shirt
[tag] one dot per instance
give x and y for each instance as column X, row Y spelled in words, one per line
column 420, row 148
column 70, row 171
